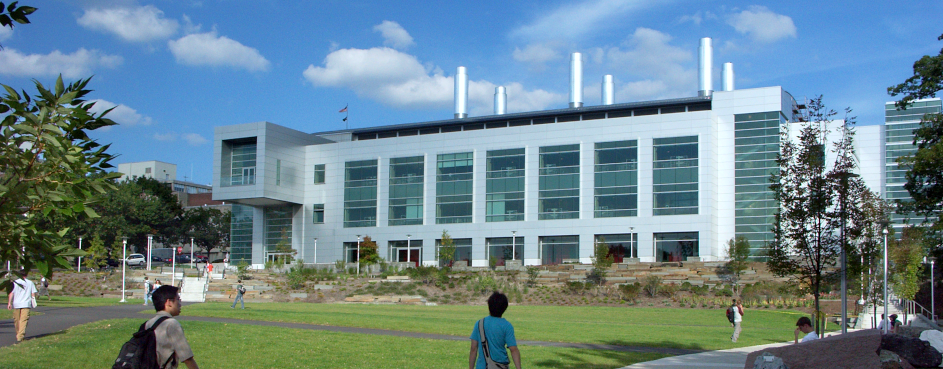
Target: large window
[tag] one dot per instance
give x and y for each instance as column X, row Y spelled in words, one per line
column 406, row 251
column 757, row 147
column 559, row 249
column 406, row 187
column 319, row 174
column 621, row 246
column 505, row 186
column 559, row 196
column 240, row 234
column 278, row 229
column 463, row 250
column 505, row 248
column 241, row 165
column 454, row 182
column 675, row 176
column 360, row 193
column 899, row 133
column 675, row 246
column 616, row 179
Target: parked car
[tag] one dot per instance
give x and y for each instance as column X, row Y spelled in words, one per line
column 135, row 260
column 157, row 260
column 201, row 258
column 182, row 258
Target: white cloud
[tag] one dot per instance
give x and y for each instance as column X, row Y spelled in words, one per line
column 76, row 65
column 399, row 79
column 573, row 21
column 194, row 139
column 537, row 53
column 166, row 137
column 122, row 114
column 394, row 35
column 210, row 49
column 5, row 33
column 697, row 18
column 655, row 68
column 136, row 24
column 762, row 25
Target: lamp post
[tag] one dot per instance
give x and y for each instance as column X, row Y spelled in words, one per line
column 513, row 245
column 150, row 240
column 124, row 265
column 885, row 280
column 358, row 254
column 173, row 269
column 80, row 258
column 191, row 253
column 932, row 292
column 315, row 251
column 632, row 243
column 408, row 248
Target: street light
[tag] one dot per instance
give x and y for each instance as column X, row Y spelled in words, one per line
column 513, row 245
column 408, row 248
column 124, row 264
column 885, row 280
column 358, row 254
column 932, row 259
column 80, row 258
column 191, row 253
column 315, row 252
column 150, row 239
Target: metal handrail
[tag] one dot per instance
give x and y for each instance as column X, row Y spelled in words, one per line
column 910, row 307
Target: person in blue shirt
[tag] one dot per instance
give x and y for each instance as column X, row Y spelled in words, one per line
column 499, row 333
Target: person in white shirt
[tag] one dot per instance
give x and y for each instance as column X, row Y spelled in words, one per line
column 804, row 325
column 882, row 323
column 21, row 301
column 737, row 308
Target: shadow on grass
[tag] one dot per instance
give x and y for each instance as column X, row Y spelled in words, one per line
column 583, row 358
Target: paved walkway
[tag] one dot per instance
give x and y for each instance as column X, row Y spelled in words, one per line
column 56, row 319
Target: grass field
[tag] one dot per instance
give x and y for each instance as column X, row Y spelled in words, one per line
column 217, row 345
column 74, row 301
column 657, row 327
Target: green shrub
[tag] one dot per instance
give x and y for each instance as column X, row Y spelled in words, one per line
column 532, row 273
column 652, row 285
column 629, row 291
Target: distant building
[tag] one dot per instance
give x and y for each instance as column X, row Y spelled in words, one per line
column 189, row 193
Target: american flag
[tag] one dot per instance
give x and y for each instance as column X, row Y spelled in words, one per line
column 343, row 110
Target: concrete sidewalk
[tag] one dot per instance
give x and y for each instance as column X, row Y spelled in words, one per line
column 732, row 358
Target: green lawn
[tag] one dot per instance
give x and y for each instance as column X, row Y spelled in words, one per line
column 218, row 345
column 659, row 327
column 74, row 301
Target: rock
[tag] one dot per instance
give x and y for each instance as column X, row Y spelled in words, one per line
column 852, row 350
column 917, row 352
column 890, row 360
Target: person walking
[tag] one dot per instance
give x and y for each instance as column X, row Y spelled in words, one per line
column 172, row 345
column 44, row 288
column 737, row 311
column 21, row 301
column 240, row 291
column 491, row 335
column 148, row 291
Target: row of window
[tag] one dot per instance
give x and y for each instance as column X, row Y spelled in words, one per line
column 675, row 246
column 675, row 191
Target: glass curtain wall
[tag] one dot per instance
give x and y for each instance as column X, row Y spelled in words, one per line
column 505, row 248
column 757, row 147
column 675, row 246
column 454, row 184
column 616, row 179
column 242, row 165
column 463, row 250
column 559, row 196
column 675, row 176
column 360, row 193
column 240, row 234
column 621, row 246
column 277, row 223
column 406, row 188
column 559, row 249
column 505, row 188
column 899, row 134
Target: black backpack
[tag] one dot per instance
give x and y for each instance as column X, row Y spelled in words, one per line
column 730, row 314
column 140, row 352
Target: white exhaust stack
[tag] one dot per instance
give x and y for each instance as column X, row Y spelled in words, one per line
column 461, row 93
column 576, row 80
column 500, row 100
column 705, row 63
column 726, row 77
column 608, row 88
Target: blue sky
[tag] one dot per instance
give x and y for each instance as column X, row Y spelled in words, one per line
column 176, row 69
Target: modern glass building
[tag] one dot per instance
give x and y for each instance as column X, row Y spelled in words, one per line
column 898, row 127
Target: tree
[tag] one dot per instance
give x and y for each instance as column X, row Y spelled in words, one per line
column 209, row 228
column 446, row 249
column 807, row 228
column 906, row 262
column 49, row 167
column 925, row 174
column 368, row 252
column 16, row 14
column 602, row 260
column 738, row 255
column 875, row 214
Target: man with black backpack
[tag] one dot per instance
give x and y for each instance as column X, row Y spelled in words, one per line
column 172, row 345
column 735, row 316
column 240, row 291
